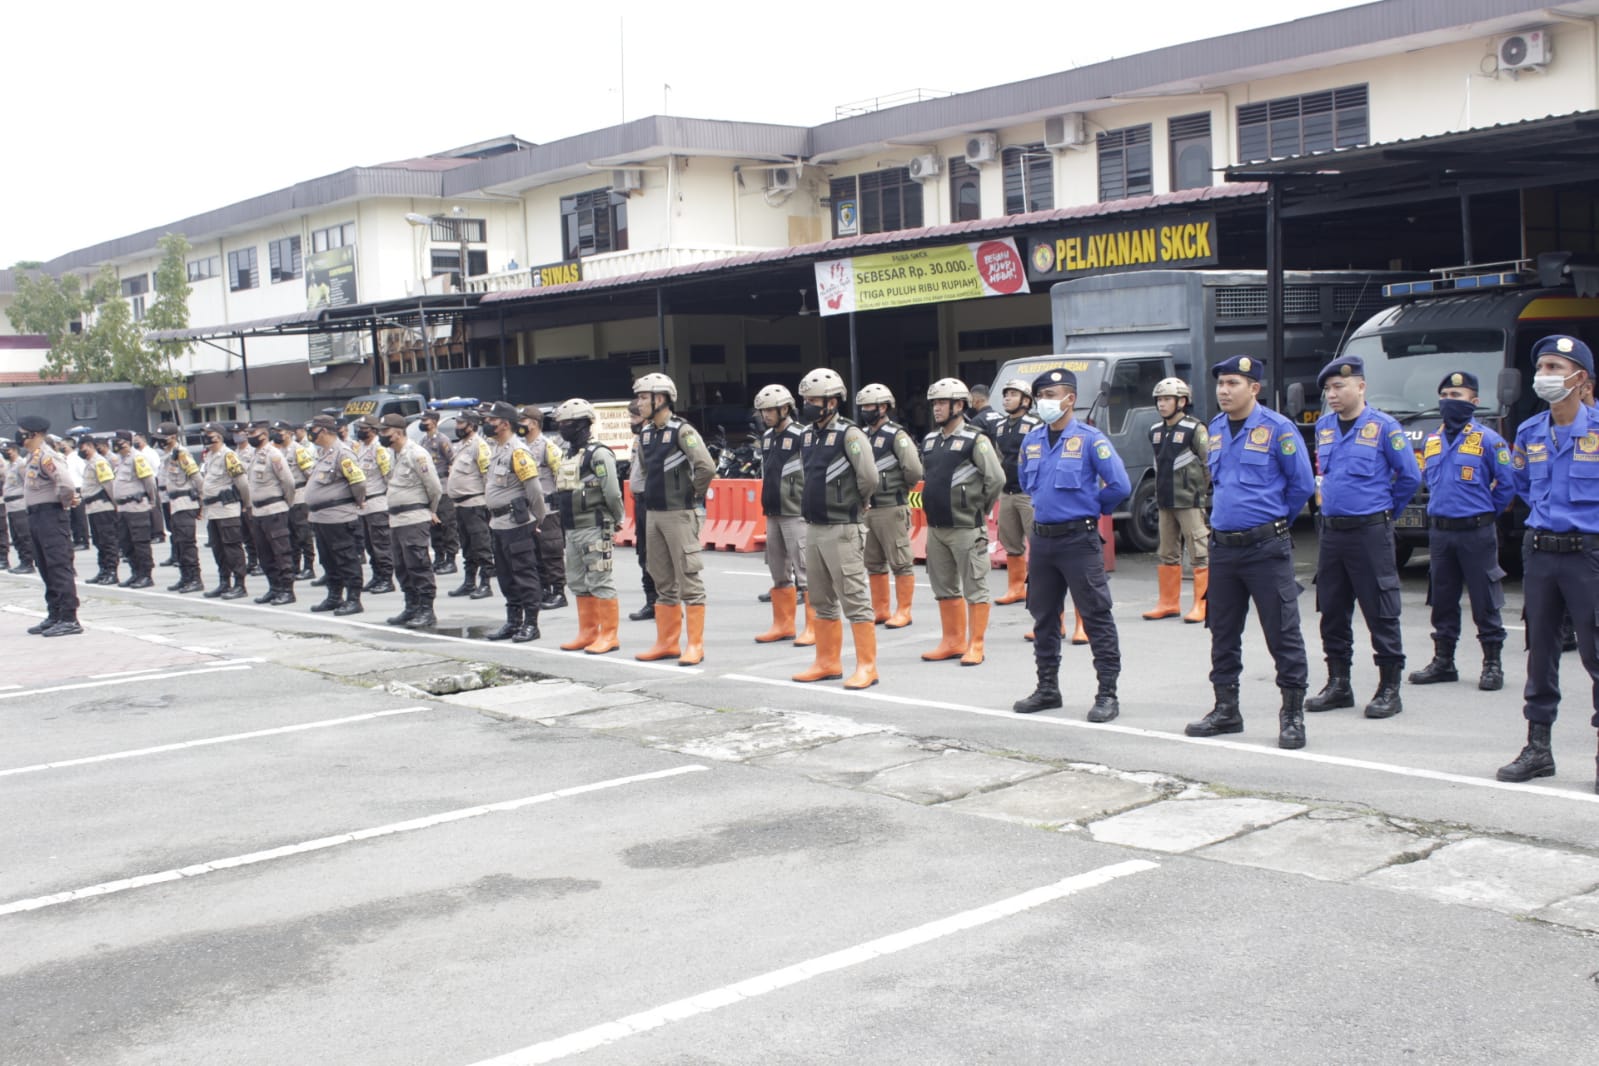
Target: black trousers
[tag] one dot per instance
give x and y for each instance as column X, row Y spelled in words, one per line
column 552, row 552
column 413, row 564
column 80, row 525
column 134, row 532
column 340, row 546
column 1468, row 559
column 379, row 544
column 446, row 543
column 476, row 544
column 641, row 524
column 516, row 565
column 1554, row 585
column 1072, row 564
column 184, row 545
column 21, row 537
column 50, row 543
column 1261, row 573
column 304, row 539
column 247, row 533
column 274, row 546
column 107, row 541
column 1358, row 566
column 227, row 547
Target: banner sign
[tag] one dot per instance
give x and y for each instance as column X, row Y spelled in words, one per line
column 1186, row 241
column 562, row 273
column 330, row 282
column 920, row 276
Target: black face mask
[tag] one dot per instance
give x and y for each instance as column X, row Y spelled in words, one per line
column 365, row 435
column 638, row 428
column 813, row 412
column 1456, row 413
column 462, row 431
column 213, row 441
column 871, row 415
column 575, row 432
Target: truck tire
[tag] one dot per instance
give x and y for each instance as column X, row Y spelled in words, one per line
column 1140, row 530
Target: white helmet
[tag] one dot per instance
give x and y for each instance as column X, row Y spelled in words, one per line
column 949, row 389
column 653, row 383
column 1019, row 385
column 1172, row 387
column 875, row 393
column 574, row 410
column 773, row 396
column 822, row 382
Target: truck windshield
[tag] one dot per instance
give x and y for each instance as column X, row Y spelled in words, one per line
column 1403, row 369
column 1090, row 372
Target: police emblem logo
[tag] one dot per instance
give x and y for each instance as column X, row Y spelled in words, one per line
column 1456, row 379
column 1288, row 444
column 807, row 438
column 1102, row 449
column 1474, row 439
column 1468, row 473
column 957, row 445
column 1035, row 451
column 1259, row 435
column 1178, row 437
column 1074, row 445
column 1564, row 345
column 1589, row 444
column 1396, row 441
column 666, row 436
column 1324, row 436
column 1518, row 461
column 788, row 444
column 1244, row 364
column 1346, row 371
column 832, row 438
column 1370, row 430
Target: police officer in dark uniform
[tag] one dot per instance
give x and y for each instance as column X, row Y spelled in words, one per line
column 1260, row 477
column 982, row 413
column 1073, row 476
column 1368, row 473
column 1555, row 466
column 1467, row 469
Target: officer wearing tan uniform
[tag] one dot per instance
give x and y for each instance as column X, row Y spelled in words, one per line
column 468, row 467
column 515, row 502
column 101, row 512
column 272, row 494
column 963, row 478
column 677, row 471
column 335, row 491
column 442, row 532
column 638, row 415
column 301, row 458
column 133, row 489
column 547, row 455
column 16, row 516
column 224, row 493
column 1015, row 506
column 588, row 499
column 376, row 461
column 840, row 479
column 888, row 522
column 182, row 482
column 414, row 494
column 48, row 493
column 782, row 494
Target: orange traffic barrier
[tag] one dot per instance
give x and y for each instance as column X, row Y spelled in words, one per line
column 715, row 501
column 627, row 533
column 918, row 525
column 741, row 535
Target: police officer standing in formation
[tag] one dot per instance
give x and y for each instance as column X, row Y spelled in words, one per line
column 888, row 521
column 515, row 502
column 414, row 494
column 183, row 483
column 552, row 542
column 469, row 467
column 981, row 414
column 588, row 499
column 636, row 413
column 1555, row 466
column 782, row 501
column 1073, row 476
column 376, row 461
column 677, row 470
column 1368, row 473
column 224, row 495
column 335, row 492
column 1260, row 477
column 840, row 479
column 1015, row 506
column 1468, row 473
column 100, row 511
column 48, row 493
column 1182, row 478
column 272, row 493
column 442, row 532
column 962, row 478
column 16, row 462
column 134, row 491
column 301, row 458
column 238, row 434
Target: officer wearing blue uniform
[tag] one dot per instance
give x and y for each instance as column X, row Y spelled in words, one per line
column 1368, row 473
column 1555, row 466
column 1073, row 476
column 1467, row 469
column 1260, row 478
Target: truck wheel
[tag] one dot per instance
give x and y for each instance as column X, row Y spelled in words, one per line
column 1140, row 531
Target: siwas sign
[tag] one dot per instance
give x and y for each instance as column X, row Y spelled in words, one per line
column 920, row 276
column 1187, row 241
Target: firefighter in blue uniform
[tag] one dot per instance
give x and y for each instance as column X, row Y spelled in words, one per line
column 1368, row 473
column 1467, row 469
column 1260, row 478
column 1073, row 476
column 1555, row 466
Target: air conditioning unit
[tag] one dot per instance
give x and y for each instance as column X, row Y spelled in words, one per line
column 782, row 180
column 924, row 166
column 1524, row 51
column 627, row 181
column 982, row 148
column 1064, row 131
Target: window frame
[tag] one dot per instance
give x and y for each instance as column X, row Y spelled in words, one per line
column 606, row 212
column 962, row 177
column 1341, row 118
column 1127, row 146
column 210, row 266
column 252, row 276
column 1027, row 173
column 1182, row 134
column 275, row 269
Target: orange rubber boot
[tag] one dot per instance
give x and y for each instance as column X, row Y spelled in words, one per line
column 904, row 589
column 1079, row 635
column 587, row 625
column 976, row 627
column 784, row 602
column 807, row 639
column 1016, row 574
column 1029, row 634
column 1171, row 593
column 829, row 652
column 668, row 632
column 952, row 615
column 865, row 675
column 880, row 605
column 607, row 613
column 694, row 650
column 1201, row 587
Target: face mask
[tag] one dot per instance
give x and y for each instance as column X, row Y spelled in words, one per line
column 1456, row 413
column 1551, row 387
column 638, row 427
column 1050, row 411
column 462, row 431
column 574, row 432
column 213, row 441
column 813, row 412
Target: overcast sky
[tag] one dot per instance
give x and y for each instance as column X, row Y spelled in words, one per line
column 121, row 119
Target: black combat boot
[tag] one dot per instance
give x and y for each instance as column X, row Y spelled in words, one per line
column 444, row 565
column 1493, row 672
column 1442, row 667
column 468, row 583
column 1105, row 706
column 1337, row 692
column 223, row 584
column 282, row 597
column 266, row 597
column 513, row 622
column 1385, row 703
column 1047, row 695
column 23, row 568
column 66, row 626
column 1291, row 720
column 423, row 618
column 43, row 624
column 141, row 581
column 554, row 600
column 483, row 591
column 129, row 580
column 529, row 629
column 647, row 612
column 321, row 582
column 380, row 584
column 1223, row 718
column 308, row 571
column 237, row 592
column 334, row 601
column 1535, row 760
column 405, row 615
column 192, row 583
column 351, row 604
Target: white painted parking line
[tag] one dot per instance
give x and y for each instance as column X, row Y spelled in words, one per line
column 220, row 668
column 207, row 741
column 126, row 673
column 8, row 688
column 323, row 843
column 727, row 995
column 1034, row 720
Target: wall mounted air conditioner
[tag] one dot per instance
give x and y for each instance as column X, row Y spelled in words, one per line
column 1524, row 51
column 924, row 167
column 627, row 181
column 1064, row 131
column 782, row 180
column 982, row 148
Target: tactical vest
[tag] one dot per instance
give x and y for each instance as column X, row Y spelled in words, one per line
column 951, row 482
column 1009, row 439
column 892, row 491
column 578, row 491
column 832, row 494
column 668, row 475
column 782, row 471
column 1180, row 477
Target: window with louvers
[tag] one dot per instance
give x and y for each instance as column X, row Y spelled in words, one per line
column 1302, row 125
column 965, row 191
column 1190, row 150
column 594, row 222
column 1126, row 165
column 1029, row 172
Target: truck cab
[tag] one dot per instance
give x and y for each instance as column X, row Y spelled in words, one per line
column 400, row 401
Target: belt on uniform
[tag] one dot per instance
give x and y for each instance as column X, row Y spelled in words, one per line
column 35, row 508
column 500, row 512
column 1474, row 522
column 13, row 499
column 140, row 498
column 266, row 502
column 1016, row 492
column 186, row 494
column 401, row 508
column 325, row 504
column 1355, row 521
column 1243, row 538
column 209, row 500
column 1545, row 541
column 1065, row 529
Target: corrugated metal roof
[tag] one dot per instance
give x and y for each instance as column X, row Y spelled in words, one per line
column 234, row 329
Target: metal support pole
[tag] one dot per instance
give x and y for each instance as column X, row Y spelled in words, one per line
column 427, row 348
column 1274, row 293
column 854, row 359
column 1465, row 229
column 244, row 363
column 505, row 389
column 379, row 368
column 660, row 327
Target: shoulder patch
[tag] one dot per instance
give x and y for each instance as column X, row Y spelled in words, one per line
column 351, row 470
column 141, row 467
column 1397, row 441
column 234, row 467
column 385, row 460
column 187, row 464
column 688, row 438
column 522, row 464
column 1199, row 433
column 103, row 471
column 1288, row 445
column 483, row 456
column 1102, row 449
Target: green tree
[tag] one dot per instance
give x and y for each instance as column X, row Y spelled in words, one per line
column 107, row 345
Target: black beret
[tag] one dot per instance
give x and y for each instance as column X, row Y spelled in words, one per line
column 125, row 435
column 1054, row 377
column 1243, row 365
column 1348, row 366
column 1460, row 379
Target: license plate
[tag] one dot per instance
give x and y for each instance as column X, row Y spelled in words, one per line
column 1412, row 519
